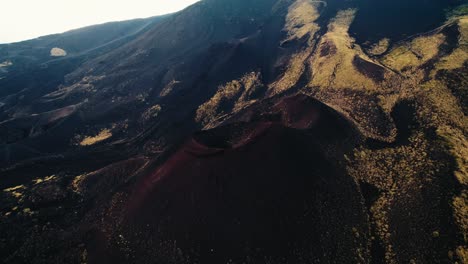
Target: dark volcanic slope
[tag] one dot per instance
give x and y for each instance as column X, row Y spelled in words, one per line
column 266, row 131
column 264, row 190
column 398, row 19
column 80, row 45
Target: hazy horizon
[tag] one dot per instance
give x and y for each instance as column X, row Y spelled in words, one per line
column 25, row 19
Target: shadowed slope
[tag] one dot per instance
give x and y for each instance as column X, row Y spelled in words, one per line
column 274, row 178
column 264, row 190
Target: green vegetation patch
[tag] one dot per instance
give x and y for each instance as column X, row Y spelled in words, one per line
column 461, row 10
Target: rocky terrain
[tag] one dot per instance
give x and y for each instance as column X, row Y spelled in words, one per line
column 266, row 131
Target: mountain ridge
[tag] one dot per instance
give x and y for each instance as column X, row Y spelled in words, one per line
column 279, row 91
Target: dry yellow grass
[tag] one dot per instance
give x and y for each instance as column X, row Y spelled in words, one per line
column 210, row 111
column 16, row 191
column 15, row 188
column 462, row 253
column 339, row 84
column 301, row 18
column 401, row 58
column 341, row 23
column 300, row 22
column 45, row 179
column 333, row 71
column 16, row 194
column 414, row 54
column 335, row 68
column 439, row 109
column 463, row 24
column 236, row 93
column 459, row 56
column 392, row 170
column 460, row 206
column 459, row 148
column 85, row 85
column 168, row 88
column 427, row 47
column 76, row 183
column 293, row 73
column 28, row 211
column 91, row 140
column 152, row 112
column 380, row 47
column 442, row 108
column 455, row 60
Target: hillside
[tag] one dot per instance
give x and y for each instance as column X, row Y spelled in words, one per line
column 267, row 131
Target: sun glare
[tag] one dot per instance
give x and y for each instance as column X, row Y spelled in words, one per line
column 26, row 19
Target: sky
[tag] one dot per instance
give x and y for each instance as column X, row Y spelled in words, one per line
column 27, row 19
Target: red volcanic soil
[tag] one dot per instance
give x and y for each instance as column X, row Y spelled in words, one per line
column 248, row 192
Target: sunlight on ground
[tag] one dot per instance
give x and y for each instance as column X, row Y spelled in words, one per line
column 58, row 52
column 46, row 179
column 5, row 64
column 103, row 135
column 16, row 191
